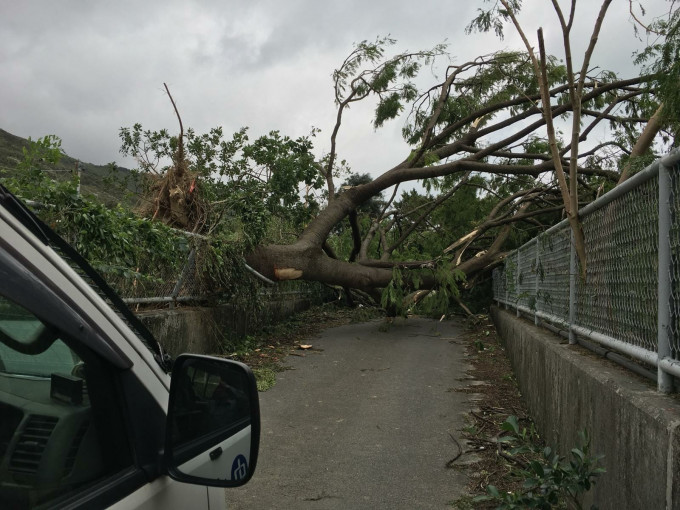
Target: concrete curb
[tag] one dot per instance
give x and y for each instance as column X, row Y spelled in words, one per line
column 568, row 389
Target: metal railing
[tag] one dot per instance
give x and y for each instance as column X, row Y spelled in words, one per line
column 629, row 301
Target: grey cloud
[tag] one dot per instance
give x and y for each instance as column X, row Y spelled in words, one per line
column 82, row 70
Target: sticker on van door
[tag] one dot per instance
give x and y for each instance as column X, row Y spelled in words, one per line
column 239, row 468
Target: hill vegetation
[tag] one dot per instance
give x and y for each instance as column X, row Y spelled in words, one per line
column 111, row 184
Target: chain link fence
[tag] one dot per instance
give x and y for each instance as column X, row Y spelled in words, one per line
column 169, row 283
column 629, row 301
column 193, row 284
column 189, row 279
column 185, row 271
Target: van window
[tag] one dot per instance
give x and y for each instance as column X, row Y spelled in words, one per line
column 21, row 326
column 61, row 425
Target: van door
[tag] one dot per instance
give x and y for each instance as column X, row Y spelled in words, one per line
column 78, row 429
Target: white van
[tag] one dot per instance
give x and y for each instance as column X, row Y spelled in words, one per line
column 93, row 414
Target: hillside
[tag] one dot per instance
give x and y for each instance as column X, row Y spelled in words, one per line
column 93, row 177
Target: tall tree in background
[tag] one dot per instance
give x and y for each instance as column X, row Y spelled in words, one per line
column 575, row 81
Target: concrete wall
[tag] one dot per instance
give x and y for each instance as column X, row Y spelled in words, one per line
column 210, row 330
column 568, row 389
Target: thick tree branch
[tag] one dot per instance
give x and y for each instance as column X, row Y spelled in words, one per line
column 644, row 142
column 356, row 235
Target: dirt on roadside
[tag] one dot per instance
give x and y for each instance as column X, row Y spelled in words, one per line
column 494, row 384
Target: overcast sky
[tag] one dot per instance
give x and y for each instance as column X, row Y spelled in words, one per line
column 83, row 69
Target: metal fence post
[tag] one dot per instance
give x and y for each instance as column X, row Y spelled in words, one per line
column 507, row 292
column 665, row 380
column 538, row 274
column 517, row 285
column 185, row 273
column 494, row 285
column 572, row 288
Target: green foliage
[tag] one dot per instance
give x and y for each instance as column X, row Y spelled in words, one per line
column 661, row 60
column 388, row 108
column 287, row 164
column 493, row 18
column 465, row 210
column 29, row 179
column 110, row 183
column 113, row 240
column 265, row 378
column 374, row 205
column 391, row 80
column 430, row 158
column 243, row 218
column 392, row 297
column 119, row 243
column 45, row 150
column 223, row 269
column 493, row 79
column 364, row 52
column 478, row 297
column 242, row 346
column 436, row 303
column 550, row 481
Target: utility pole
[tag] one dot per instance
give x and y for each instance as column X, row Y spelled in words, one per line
column 79, row 172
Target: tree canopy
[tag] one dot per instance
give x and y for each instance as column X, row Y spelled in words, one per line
column 503, row 146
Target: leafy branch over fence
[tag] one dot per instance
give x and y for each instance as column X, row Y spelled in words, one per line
column 146, row 262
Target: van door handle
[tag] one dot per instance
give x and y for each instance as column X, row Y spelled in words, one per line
column 215, row 454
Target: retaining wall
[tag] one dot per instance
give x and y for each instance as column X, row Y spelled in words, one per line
column 209, row 330
column 568, row 389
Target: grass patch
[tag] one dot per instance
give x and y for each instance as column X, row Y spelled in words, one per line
column 265, row 377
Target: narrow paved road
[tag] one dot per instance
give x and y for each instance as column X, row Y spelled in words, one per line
column 365, row 421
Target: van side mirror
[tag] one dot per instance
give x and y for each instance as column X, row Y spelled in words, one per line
column 212, row 434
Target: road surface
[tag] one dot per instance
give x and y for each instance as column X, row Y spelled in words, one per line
column 364, row 421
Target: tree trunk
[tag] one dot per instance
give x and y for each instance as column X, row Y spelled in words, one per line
column 308, row 262
column 644, row 142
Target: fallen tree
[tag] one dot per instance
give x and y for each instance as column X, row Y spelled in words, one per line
column 492, row 124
